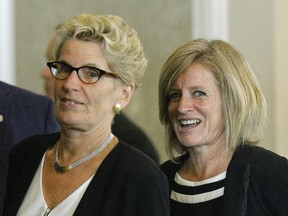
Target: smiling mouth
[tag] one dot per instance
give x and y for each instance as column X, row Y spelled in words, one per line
column 71, row 102
column 190, row 122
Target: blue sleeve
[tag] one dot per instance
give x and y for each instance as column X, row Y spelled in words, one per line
column 51, row 125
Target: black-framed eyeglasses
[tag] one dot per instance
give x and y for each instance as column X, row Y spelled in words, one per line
column 86, row 74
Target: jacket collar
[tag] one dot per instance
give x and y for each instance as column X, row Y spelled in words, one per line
column 237, row 182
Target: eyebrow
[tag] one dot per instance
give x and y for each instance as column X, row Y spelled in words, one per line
column 85, row 65
column 175, row 88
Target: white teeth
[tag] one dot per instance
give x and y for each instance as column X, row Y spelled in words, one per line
column 70, row 102
column 190, row 122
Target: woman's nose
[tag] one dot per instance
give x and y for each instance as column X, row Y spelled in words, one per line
column 72, row 82
column 185, row 104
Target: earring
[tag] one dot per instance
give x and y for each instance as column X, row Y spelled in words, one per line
column 117, row 108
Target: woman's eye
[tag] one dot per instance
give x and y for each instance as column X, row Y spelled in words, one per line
column 65, row 69
column 90, row 72
column 173, row 96
column 93, row 74
column 199, row 93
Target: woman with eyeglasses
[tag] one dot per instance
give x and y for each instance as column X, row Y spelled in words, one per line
column 214, row 110
column 85, row 169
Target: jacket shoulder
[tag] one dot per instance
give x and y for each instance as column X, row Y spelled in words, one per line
column 34, row 143
column 258, row 156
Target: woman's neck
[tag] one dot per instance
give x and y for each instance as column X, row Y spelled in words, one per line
column 76, row 144
column 205, row 163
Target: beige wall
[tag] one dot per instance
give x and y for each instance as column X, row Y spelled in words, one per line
column 258, row 28
column 251, row 31
column 281, row 76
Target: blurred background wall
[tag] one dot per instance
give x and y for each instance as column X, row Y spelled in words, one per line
column 258, row 28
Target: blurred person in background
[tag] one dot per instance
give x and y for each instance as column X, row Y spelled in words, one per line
column 85, row 169
column 22, row 114
column 214, row 111
column 123, row 127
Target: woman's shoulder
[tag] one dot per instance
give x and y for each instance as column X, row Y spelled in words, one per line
column 257, row 154
column 133, row 160
column 170, row 167
column 262, row 161
column 35, row 143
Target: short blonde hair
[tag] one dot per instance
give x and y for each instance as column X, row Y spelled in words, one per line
column 122, row 47
column 244, row 104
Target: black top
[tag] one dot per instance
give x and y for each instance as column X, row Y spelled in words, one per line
column 127, row 183
column 202, row 198
column 256, row 182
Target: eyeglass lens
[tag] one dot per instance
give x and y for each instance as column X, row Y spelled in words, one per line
column 86, row 74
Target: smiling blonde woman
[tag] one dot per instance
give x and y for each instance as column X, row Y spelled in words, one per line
column 214, row 111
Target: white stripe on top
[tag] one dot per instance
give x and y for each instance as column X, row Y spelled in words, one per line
column 201, row 197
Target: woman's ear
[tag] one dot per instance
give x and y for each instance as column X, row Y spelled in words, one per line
column 126, row 94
